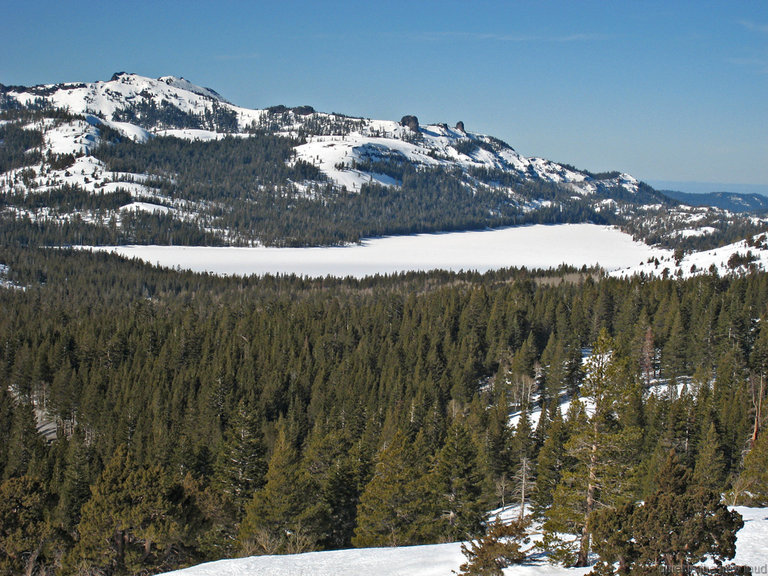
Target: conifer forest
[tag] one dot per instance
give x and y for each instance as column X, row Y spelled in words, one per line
column 153, row 419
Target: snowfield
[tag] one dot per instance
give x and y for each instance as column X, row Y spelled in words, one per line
column 701, row 262
column 442, row 559
column 537, row 246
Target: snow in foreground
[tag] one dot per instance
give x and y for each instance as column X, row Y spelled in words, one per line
column 527, row 246
column 441, row 559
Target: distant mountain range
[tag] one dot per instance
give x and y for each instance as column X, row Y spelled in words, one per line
column 732, row 201
column 164, row 161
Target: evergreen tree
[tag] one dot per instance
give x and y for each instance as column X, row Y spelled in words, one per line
column 132, row 520
column 751, row 487
column 500, row 547
column 25, row 530
column 329, row 471
column 24, row 443
column 683, row 523
column 497, row 447
column 710, row 464
column 395, row 507
column 458, row 484
column 74, row 490
column 603, row 452
column 273, row 517
column 613, row 533
column 551, row 462
column 241, row 465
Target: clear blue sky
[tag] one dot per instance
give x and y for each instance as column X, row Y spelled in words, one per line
column 673, row 91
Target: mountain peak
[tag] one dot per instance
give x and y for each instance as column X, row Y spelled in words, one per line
column 184, row 84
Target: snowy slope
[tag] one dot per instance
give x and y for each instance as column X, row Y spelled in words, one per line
column 441, row 559
column 332, row 140
column 103, row 99
column 739, row 257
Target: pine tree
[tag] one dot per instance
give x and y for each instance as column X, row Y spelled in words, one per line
column 751, row 487
column 613, row 533
column 241, row 465
column 499, row 548
column 602, row 452
column 458, row 484
column 132, row 520
column 272, row 522
column 24, row 443
column 24, row 528
column 75, row 486
column 551, row 462
column 329, row 471
column 497, row 446
column 683, row 523
column 679, row 525
column 395, row 506
column 710, row 464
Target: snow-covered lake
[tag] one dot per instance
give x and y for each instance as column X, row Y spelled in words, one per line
column 529, row 246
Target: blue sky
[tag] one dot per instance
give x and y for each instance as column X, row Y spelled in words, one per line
column 668, row 91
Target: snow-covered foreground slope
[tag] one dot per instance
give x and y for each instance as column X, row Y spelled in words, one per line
column 435, row 560
column 442, row 559
column 530, row 246
column 752, row 541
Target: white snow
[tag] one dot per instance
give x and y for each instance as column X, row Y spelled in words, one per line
column 435, row 560
column 196, row 134
column 700, row 262
column 145, row 207
column 442, row 559
column 752, row 540
column 695, row 232
column 530, row 246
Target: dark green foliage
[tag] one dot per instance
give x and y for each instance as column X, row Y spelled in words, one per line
column 395, row 508
column 458, row 484
column 241, row 465
column 374, row 384
column 148, row 114
column 603, row 452
column 681, row 524
column 273, row 520
column 500, row 547
column 25, row 532
column 613, row 533
column 19, row 146
column 751, row 488
column 132, row 521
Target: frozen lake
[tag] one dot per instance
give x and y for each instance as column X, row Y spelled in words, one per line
column 529, row 246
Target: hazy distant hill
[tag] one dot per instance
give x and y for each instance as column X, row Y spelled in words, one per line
column 731, row 201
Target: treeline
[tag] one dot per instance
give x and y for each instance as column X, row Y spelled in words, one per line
column 201, row 417
column 148, row 114
column 19, row 146
column 135, row 227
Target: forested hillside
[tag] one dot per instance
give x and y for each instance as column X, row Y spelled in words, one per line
column 136, row 160
column 200, row 417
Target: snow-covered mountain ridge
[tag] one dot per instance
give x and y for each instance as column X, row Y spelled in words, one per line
column 331, row 158
column 335, row 142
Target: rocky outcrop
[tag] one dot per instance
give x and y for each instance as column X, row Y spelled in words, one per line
column 410, row 122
